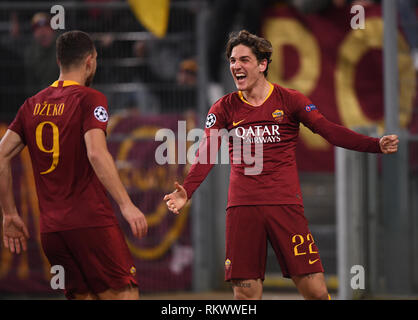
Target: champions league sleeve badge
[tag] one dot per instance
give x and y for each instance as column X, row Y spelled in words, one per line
column 210, row 120
column 101, row 114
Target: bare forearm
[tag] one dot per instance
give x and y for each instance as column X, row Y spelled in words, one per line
column 106, row 171
column 6, row 188
column 10, row 145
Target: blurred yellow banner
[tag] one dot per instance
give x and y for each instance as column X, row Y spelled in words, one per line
column 152, row 14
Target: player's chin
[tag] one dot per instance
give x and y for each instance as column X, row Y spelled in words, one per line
column 240, row 86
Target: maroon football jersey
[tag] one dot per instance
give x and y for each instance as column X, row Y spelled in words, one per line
column 52, row 124
column 273, row 127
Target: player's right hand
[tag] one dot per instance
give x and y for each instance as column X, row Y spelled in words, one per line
column 136, row 220
column 177, row 199
column 15, row 233
column 389, row 144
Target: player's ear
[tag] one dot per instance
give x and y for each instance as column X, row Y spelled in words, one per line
column 90, row 58
column 262, row 65
column 88, row 61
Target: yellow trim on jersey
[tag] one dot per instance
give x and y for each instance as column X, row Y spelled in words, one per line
column 66, row 83
column 240, row 94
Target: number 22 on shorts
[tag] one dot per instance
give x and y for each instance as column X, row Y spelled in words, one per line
column 55, row 149
column 299, row 240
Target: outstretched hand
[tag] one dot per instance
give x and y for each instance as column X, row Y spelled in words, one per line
column 389, row 144
column 15, row 233
column 177, row 199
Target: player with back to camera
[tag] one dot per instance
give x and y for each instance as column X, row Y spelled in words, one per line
column 64, row 128
column 267, row 206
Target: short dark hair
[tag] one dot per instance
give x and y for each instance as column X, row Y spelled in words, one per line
column 261, row 47
column 72, row 47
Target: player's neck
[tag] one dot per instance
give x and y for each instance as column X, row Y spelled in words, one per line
column 257, row 94
column 72, row 76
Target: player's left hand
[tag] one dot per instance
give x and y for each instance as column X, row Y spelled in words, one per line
column 136, row 220
column 389, row 144
column 177, row 199
column 15, row 233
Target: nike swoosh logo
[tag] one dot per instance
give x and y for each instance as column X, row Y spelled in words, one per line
column 313, row 261
column 237, row 123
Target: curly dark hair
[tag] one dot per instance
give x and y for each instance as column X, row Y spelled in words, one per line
column 261, row 47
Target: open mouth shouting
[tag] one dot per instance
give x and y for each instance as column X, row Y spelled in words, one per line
column 240, row 77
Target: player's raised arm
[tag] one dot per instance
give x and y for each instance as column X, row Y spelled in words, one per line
column 105, row 169
column 15, row 232
column 336, row 134
column 343, row 137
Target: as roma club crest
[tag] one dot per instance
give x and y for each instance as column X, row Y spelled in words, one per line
column 227, row 264
column 278, row 115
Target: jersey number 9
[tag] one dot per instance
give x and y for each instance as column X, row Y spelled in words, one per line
column 55, row 149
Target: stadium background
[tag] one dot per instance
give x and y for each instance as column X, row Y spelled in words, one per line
column 162, row 61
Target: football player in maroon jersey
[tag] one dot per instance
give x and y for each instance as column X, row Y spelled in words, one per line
column 64, row 128
column 268, row 205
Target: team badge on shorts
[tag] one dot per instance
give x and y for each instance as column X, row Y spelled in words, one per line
column 227, row 263
column 101, row 114
column 210, row 120
column 132, row 271
column 278, row 115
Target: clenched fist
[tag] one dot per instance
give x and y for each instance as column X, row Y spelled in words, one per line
column 389, row 144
